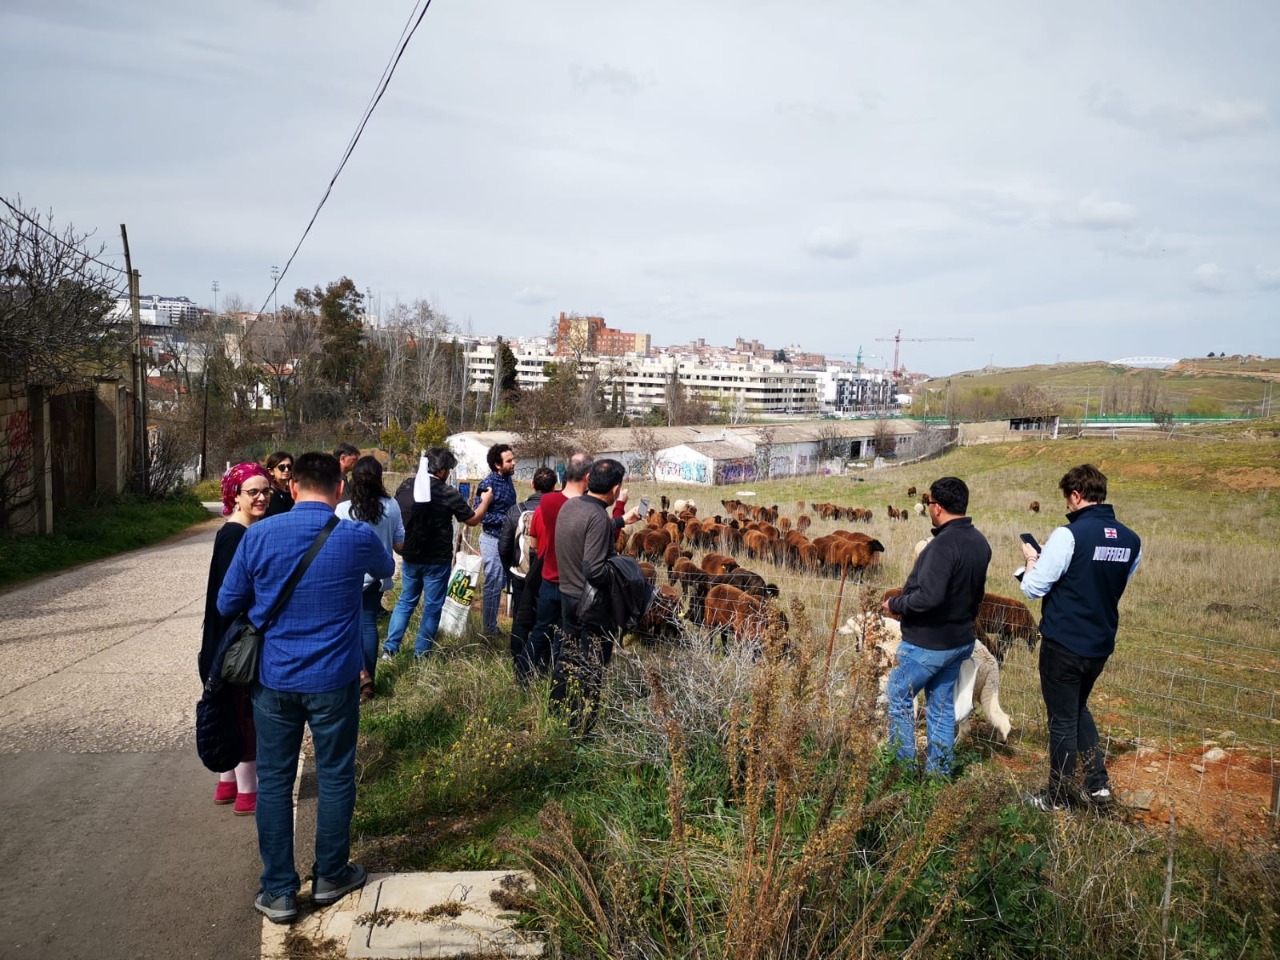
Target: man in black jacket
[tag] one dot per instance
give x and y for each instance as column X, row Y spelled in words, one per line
column 1081, row 573
column 585, row 535
column 937, row 606
column 428, row 551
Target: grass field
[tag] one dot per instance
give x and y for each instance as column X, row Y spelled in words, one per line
column 740, row 806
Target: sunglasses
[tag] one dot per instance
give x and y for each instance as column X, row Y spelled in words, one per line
column 284, row 467
column 257, row 493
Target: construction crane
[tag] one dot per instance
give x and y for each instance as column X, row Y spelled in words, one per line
column 897, row 338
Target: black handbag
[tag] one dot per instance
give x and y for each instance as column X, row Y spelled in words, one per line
column 242, row 643
column 219, row 739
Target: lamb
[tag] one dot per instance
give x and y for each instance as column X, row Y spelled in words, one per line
column 1034, row 506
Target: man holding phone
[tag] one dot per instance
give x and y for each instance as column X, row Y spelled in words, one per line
column 1081, row 574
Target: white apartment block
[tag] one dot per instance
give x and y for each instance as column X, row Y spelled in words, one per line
column 748, row 388
column 157, row 311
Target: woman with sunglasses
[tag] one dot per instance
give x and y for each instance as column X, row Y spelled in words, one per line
column 280, row 469
column 246, row 490
column 371, row 504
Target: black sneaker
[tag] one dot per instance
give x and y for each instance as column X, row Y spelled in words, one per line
column 325, row 892
column 1102, row 797
column 281, row 909
column 1043, row 801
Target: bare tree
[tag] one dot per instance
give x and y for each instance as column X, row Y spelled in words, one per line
column 764, row 452
column 56, row 299
column 883, row 439
column 644, row 440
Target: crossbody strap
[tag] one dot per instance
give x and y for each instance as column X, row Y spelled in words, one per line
column 287, row 590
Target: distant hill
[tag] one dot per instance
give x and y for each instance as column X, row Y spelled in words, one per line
column 1217, row 385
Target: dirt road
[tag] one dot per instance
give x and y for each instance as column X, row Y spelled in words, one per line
column 111, row 845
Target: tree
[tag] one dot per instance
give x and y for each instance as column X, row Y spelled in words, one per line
column 644, row 440
column 883, row 439
column 764, row 452
column 56, row 329
column 780, row 356
column 393, row 439
column 56, row 299
column 430, row 432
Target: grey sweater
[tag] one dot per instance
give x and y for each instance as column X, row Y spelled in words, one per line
column 584, row 541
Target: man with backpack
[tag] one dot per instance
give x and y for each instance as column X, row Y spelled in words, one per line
column 514, row 551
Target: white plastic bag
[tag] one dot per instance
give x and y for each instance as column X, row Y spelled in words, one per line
column 459, row 594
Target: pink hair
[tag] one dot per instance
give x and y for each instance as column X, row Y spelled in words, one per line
column 234, row 478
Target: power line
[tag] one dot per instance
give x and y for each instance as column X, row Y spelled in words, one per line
column 406, row 34
column 23, row 215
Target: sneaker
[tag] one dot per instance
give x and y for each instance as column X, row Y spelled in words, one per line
column 1101, row 797
column 386, row 657
column 224, row 792
column 281, row 909
column 325, row 892
column 1042, row 801
column 246, row 804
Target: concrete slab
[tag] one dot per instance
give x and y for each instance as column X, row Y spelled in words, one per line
column 400, row 915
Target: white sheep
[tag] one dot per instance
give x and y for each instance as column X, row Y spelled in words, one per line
column 887, row 635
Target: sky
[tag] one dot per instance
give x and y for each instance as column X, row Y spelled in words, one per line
column 1049, row 182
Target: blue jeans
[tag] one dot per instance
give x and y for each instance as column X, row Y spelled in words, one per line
column 334, row 718
column 370, row 607
column 1066, row 680
column 495, row 581
column 427, row 581
column 935, row 672
column 538, row 654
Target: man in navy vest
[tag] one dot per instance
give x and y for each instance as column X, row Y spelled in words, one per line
column 1081, row 574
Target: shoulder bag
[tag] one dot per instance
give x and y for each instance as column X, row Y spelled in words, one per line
column 242, row 643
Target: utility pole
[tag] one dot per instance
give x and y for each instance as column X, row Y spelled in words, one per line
column 275, row 293
column 142, row 467
column 204, row 415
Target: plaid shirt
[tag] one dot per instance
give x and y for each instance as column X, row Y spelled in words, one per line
column 313, row 645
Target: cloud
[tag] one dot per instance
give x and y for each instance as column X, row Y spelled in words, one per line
column 533, row 296
column 1091, row 213
column 1268, row 278
column 835, row 243
column 619, row 82
column 1194, row 122
column 1210, row 278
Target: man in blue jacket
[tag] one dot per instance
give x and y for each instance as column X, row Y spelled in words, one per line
column 937, row 606
column 310, row 664
column 1081, row 574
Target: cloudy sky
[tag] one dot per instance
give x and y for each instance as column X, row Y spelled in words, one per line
column 1090, row 180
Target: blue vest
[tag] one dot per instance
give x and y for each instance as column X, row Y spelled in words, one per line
column 1081, row 610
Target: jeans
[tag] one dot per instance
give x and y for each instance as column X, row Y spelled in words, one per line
column 935, row 672
column 334, row 718
column 495, row 580
column 1066, row 680
column 370, row 607
column 577, row 674
column 418, row 580
column 538, row 654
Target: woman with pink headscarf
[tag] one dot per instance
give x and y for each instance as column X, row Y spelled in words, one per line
column 246, row 491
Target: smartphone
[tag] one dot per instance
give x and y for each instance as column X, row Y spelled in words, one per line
column 643, row 509
column 1029, row 539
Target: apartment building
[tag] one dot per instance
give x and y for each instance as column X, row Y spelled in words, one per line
column 745, row 388
column 577, row 336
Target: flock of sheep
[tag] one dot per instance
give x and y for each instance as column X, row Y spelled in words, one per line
column 719, row 595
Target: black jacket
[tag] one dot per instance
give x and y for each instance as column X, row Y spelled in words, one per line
column 941, row 596
column 617, row 598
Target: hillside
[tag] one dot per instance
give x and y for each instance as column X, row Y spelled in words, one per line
column 1227, row 385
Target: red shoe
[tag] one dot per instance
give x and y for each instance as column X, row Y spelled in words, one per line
column 246, row 804
column 225, row 791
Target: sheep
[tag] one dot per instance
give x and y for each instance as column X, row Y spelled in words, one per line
column 919, row 509
column 662, row 620
column 886, row 635
column 1034, row 506
column 747, row 616
column 911, row 491
column 714, row 563
column 674, row 553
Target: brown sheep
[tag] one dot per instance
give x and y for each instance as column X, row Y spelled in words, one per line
column 674, row 553
column 747, row 616
column 717, row 563
column 1007, row 620
column 1034, row 506
column 662, row 620
column 649, row 570
column 803, row 522
column 686, row 574
column 911, row 491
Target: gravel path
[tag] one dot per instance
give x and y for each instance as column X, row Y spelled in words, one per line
column 112, row 845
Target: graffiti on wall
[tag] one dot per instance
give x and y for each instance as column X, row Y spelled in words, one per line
column 736, row 471
column 680, row 470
